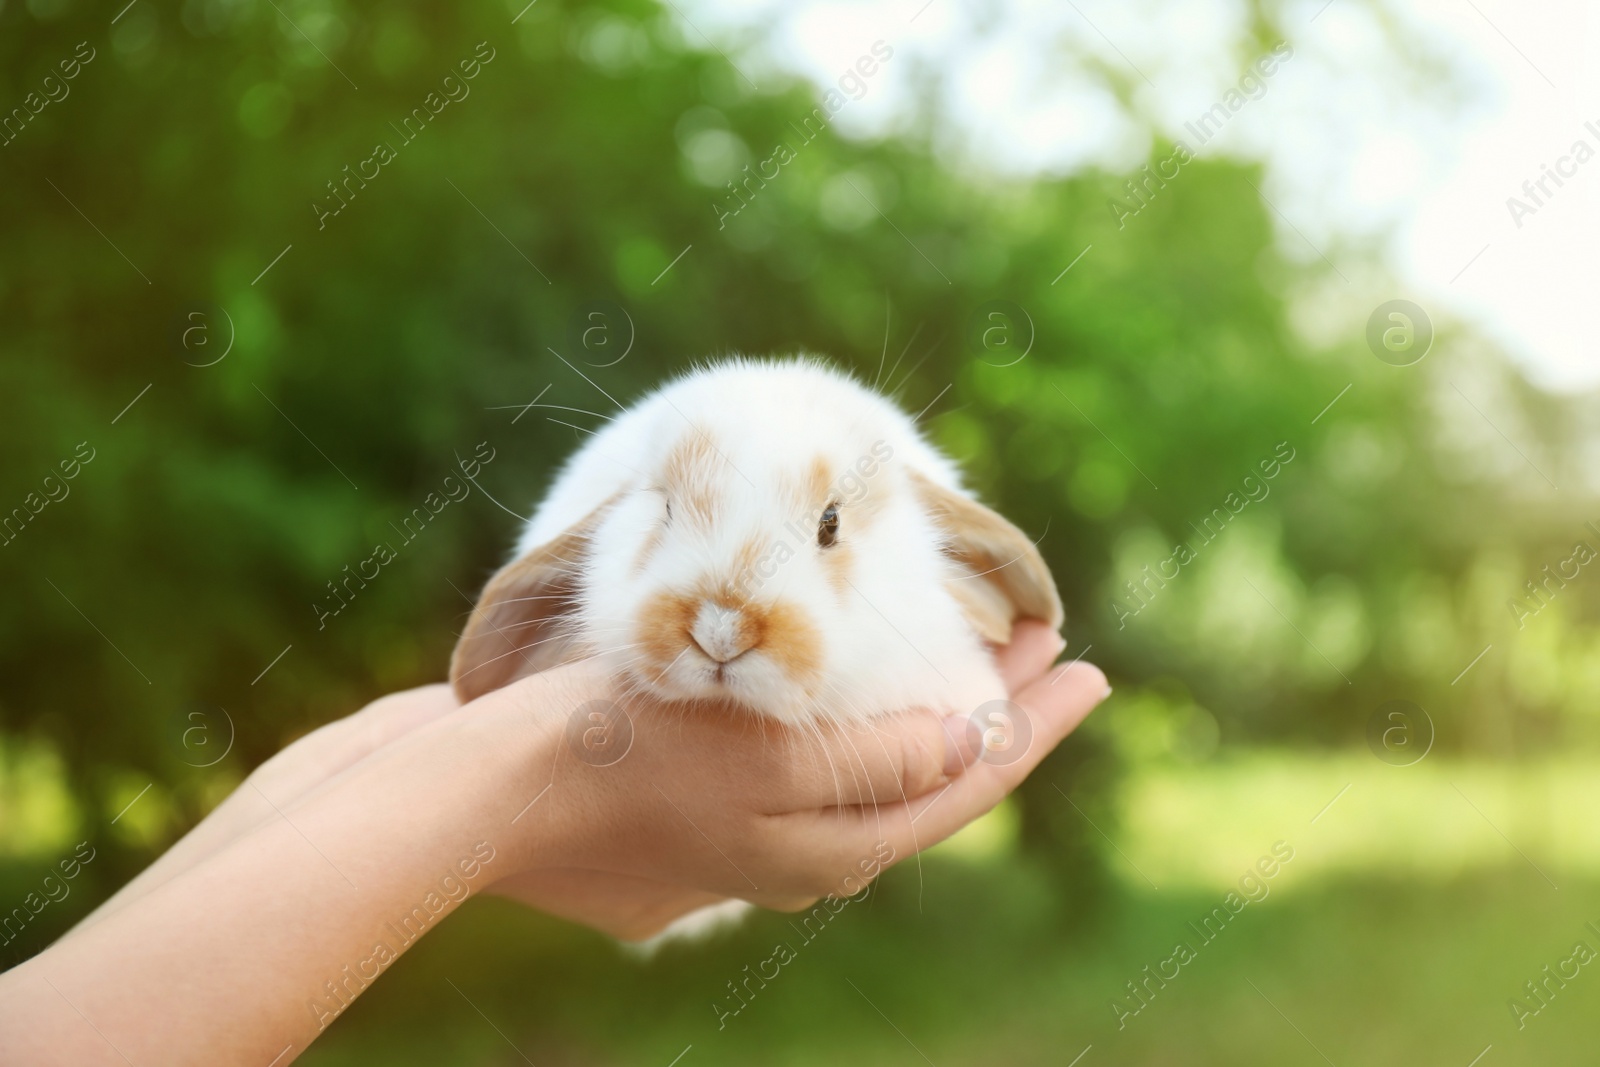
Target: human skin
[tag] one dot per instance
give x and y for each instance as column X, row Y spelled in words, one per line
column 225, row 949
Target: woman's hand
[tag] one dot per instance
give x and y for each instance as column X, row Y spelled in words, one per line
column 708, row 804
column 632, row 907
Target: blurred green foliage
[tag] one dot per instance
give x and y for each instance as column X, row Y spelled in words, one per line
column 588, row 161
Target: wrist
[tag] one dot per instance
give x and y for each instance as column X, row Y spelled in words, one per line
column 507, row 773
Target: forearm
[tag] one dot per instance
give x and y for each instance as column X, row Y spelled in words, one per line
column 230, row 820
column 261, row 944
column 310, row 762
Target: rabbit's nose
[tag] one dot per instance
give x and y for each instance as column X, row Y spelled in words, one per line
column 722, row 633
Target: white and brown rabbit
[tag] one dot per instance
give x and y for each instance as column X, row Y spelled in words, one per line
column 771, row 534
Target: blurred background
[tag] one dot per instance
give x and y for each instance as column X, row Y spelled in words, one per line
column 1244, row 308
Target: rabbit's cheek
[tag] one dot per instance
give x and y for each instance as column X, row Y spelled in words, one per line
column 664, row 623
column 791, row 638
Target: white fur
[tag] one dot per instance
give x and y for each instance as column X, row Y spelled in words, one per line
column 894, row 639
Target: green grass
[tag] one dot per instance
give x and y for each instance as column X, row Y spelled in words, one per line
column 1396, row 935
column 1433, row 821
column 1370, row 972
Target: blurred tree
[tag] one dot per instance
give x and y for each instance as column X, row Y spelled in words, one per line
column 381, row 277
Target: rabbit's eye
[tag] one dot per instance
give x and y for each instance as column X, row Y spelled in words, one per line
column 828, row 528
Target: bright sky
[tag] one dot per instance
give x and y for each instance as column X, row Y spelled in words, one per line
column 1364, row 152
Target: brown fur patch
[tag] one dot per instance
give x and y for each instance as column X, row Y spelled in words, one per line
column 664, row 623
column 744, row 564
column 861, row 495
column 516, row 628
column 819, row 482
column 808, row 491
column 652, row 542
column 859, row 514
column 985, row 608
column 996, row 553
column 781, row 630
column 788, row 635
column 838, row 563
column 689, row 476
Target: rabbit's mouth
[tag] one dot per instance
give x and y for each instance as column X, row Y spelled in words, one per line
column 752, row 680
column 723, row 677
column 712, row 645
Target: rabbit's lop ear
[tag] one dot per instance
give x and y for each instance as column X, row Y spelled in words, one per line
column 519, row 626
column 1006, row 577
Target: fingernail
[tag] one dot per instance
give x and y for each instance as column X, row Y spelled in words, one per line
column 956, row 755
column 1106, row 693
column 1061, row 645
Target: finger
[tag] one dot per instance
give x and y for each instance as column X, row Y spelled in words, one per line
column 902, row 759
column 1034, row 646
column 883, row 761
column 1051, row 707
